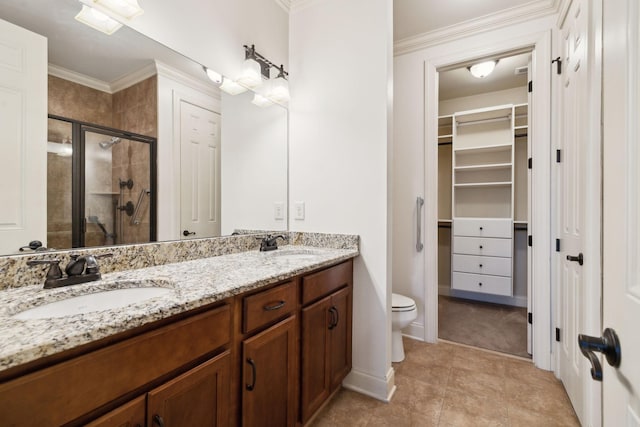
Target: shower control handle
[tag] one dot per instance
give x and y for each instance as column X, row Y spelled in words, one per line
column 186, row 233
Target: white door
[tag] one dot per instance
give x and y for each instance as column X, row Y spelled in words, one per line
column 578, row 206
column 621, row 207
column 199, row 172
column 23, row 137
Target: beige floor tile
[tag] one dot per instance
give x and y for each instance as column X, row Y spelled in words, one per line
column 449, row 385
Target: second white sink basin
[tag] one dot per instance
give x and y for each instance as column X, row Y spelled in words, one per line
column 97, row 301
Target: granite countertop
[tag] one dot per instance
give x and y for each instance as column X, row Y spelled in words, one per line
column 193, row 284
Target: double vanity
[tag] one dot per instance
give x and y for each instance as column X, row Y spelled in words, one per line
column 242, row 338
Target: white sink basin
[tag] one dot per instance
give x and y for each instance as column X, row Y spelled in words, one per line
column 97, row 301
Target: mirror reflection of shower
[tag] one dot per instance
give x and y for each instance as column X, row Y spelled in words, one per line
column 102, row 194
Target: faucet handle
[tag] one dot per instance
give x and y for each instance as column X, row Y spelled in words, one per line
column 92, row 262
column 54, row 269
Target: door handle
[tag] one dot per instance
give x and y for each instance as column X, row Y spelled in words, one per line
column 251, row 363
column 608, row 344
column 186, row 233
column 419, row 204
column 579, row 259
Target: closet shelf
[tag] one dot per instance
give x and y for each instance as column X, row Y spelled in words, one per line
column 484, row 184
column 484, row 167
column 485, row 148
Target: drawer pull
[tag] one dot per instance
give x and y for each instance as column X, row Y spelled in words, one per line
column 157, row 419
column 480, row 246
column 480, row 228
column 480, row 265
column 251, row 363
column 480, row 284
column 276, row 306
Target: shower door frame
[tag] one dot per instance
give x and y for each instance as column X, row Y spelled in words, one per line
column 78, row 130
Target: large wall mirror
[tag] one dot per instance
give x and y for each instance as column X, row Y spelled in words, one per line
column 140, row 144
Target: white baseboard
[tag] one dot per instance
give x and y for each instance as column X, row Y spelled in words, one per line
column 376, row 387
column 517, row 301
column 414, row 331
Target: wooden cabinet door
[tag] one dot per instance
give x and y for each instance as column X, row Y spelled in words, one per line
column 315, row 373
column 340, row 337
column 199, row 397
column 269, row 376
column 131, row 414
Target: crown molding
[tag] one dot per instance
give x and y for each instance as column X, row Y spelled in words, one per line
column 166, row 71
column 298, row 5
column 563, row 9
column 133, row 78
column 284, row 4
column 81, row 79
column 503, row 18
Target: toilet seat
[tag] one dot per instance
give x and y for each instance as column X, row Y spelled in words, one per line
column 402, row 303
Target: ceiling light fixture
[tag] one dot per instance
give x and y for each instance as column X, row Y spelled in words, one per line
column 117, row 9
column 213, row 76
column 98, row 20
column 280, row 87
column 482, row 69
column 251, row 76
column 257, row 68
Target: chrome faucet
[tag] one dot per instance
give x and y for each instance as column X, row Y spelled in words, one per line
column 80, row 269
column 270, row 243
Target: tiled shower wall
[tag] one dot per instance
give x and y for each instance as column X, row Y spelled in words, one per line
column 133, row 109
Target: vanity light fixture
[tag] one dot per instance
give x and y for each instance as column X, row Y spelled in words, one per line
column 231, row 87
column 213, row 76
column 280, row 87
column 482, row 69
column 251, row 76
column 261, row 101
column 117, row 9
column 98, row 20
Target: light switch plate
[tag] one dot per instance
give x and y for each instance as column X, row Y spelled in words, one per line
column 299, row 210
column 278, row 210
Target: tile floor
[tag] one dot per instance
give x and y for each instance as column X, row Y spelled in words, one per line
column 446, row 384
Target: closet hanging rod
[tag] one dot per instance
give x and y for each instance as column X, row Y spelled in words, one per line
column 491, row 120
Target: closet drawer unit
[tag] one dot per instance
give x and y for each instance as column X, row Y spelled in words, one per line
column 482, row 246
column 483, row 227
column 496, row 285
column 496, row 266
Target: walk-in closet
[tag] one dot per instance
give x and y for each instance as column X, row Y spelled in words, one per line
column 483, row 193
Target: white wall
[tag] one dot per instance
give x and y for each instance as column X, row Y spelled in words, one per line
column 212, row 32
column 254, row 169
column 341, row 61
column 517, row 95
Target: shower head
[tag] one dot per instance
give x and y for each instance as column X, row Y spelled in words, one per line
column 108, row 144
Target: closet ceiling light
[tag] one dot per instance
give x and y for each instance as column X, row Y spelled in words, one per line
column 98, row 20
column 483, row 69
column 231, row 87
column 123, row 9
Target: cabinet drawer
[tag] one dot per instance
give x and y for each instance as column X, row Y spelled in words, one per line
column 263, row 308
column 496, row 266
column 481, row 283
column 324, row 282
column 483, row 227
column 482, row 246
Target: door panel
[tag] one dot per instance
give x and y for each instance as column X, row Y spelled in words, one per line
column 23, row 147
column 571, row 203
column 199, row 171
column 340, row 336
column 621, row 207
column 199, row 397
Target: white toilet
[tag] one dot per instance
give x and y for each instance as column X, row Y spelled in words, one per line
column 404, row 311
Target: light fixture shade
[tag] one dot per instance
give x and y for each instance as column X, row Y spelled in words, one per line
column 125, row 9
column 261, row 101
column 213, row 76
column 231, row 87
column 482, row 69
column 251, row 76
column 98, row 20
column 279, row 90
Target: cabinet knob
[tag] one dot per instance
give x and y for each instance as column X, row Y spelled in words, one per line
column 480, row 228
column 480, row 246
column 480, row 265
column 480, row 284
